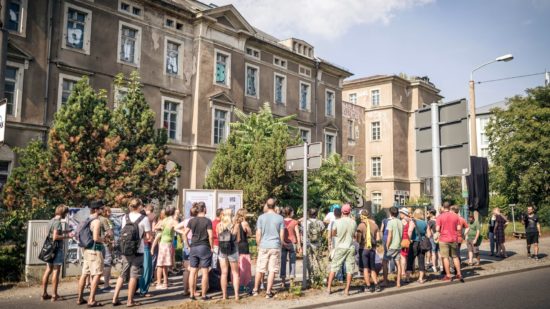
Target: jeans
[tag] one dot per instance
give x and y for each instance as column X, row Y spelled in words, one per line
column 291, row 253
column 492, row 242
column 147, row 277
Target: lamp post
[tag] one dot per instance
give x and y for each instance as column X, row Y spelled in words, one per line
column 472, row 105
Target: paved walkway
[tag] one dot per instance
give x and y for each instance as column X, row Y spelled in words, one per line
column 26, row 297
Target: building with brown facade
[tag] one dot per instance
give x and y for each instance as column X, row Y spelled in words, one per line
column 353, row 139
column 197, row 63
column 390, row 164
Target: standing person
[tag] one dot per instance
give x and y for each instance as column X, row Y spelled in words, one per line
column 228, row 237
column 472, row 240
column 148, row 269
column 500, row 238
column 419, row 232
column 270, row 232
column 93, row 257
column 405, row 241
column 385, row 263
column 135, row 229
column 57, row 234
column 200, row 255
column 177, row 219
column 532, row 231
column 312, row 249
column 245, row 267
column 462, row 232
column 491, row 233
column 166, row 233
column 343, row 231
column 434, row 254
column 367, row 236
column 291, row 245
column 393, row 242
column 448, row 226
column 107, row 226
column 216, row 249
column 193, row 212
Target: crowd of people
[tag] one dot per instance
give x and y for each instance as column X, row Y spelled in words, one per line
column 405, row 242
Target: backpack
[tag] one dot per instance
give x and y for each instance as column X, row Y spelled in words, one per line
column 226, row 242
column 314, row 231
column 129, row 239
column 84, row 235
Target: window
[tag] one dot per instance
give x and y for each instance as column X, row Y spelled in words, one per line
column 351, row 161
column 375, row 130
column 280, row 62
column 252, row 80
column 353, row 98
column 305, row 96
column 330, row 144
column 222, row 69
column 280, row 89
column 129, row 8
column 304, row 71
column 351, row 130
column 484, row 152
column 173, row 63
column 17, row 15
column 220, row 126
column 172, row 23
column 375, row 97
column 65, row 87
column 129, row 47
column 169, row 23
column 78, row 22
column 376, row 201
column 376, row 167
column 305, row 135
column 120, row 94
column 253, row 52
column 13, row 88
column 172, row 117
column 329, row 103
column 4, row 172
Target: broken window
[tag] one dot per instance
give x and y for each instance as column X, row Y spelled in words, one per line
column 172, row 58
column 128, row 44
column 76, row 26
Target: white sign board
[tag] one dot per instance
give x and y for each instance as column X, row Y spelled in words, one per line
column 230, row 199
column 206, row 196
column 3, row 111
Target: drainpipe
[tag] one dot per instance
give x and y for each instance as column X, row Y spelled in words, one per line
column 48, row 61
column 317, row 66
column 3, row 45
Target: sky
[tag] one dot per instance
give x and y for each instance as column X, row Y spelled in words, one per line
column 442, row 39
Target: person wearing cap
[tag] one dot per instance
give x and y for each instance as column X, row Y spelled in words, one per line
column 343, row 231
column 93, row 257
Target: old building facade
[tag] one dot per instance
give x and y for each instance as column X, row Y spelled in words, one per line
column 354, row 139
column 390, row 102
column 197, row 63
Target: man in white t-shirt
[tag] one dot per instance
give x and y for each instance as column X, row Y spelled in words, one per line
column 132, row 264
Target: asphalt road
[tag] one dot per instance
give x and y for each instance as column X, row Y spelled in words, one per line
column 529, row 289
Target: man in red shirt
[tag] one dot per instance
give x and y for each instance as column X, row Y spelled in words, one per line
column 448, row 226
column 215, row 250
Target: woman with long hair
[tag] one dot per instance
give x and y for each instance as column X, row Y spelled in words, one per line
column 291, row 245
column 164, row 238
column 228, row 236
column 419, row 231
column 245, row 267
column 500, row 226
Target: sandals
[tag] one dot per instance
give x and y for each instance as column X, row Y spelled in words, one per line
column 46, row 296
column 57, row 298
column 116, row 303
column 81, row 302
column 206, row 297
column 95, row 304
column 134, row 304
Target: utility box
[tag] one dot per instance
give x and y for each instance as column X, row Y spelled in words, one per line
column 37, row 231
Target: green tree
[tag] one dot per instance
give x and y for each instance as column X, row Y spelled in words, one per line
column 253, row 157
column 519, row 139
column 451, row 190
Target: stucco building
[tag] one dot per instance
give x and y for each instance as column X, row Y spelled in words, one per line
column 483, row 116
column 390, row 102
column 197, row 63
column 353, row 139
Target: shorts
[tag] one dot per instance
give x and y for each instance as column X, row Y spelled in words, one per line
column 233, row 257
column 269, row 261
column 200, row 256
column 343, row 256
column 435, row 246
column 58, row 257
column 131, row 266
column 392, row 254
column 472, row 247
column 532, row 238
column 165, row 254
column 93, row 263
column 448, row 249
column 367, row 259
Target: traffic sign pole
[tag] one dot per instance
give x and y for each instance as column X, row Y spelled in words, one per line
column 304, row 228
column 436, row 167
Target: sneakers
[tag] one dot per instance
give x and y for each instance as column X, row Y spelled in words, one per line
column 377, row 289
column 536, row 258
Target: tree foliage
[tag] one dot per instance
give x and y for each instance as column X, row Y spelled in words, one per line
column 451, row 190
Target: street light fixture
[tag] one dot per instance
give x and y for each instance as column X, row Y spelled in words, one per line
column 472, row 105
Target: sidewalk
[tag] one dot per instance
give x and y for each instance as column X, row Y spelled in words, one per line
column 24, row 297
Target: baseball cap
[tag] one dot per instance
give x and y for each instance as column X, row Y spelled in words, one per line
column 404, row 211
column 96, row 204
column 346, row 209
column 334, row 206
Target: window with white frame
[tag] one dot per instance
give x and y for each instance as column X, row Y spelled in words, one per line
column 330, row 144
column 120, row 94
column 375, row 97
column 129, row 47
column 329, row 103
column 253, row 52
column 252, row 80
column 280, row 88
column 172, row 117
column 376, row 201
column 376, row 166
column 130, row 8
column 353, row 98
column 13, row 88
column 305, row 135
column 305, row 96
column 220, row 126
column 304, row 71
column 173, row 63
column 17, row 16
column 173, row 23
column 375, row 130
column 280, row 62
column 351, row 130
column 4, row 173
column 351, row 161
column 65, row 87
column 222, row 69
column 77, row 29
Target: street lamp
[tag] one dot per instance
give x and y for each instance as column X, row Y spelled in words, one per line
column 472, row 105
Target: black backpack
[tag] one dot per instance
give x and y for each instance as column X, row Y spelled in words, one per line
column 84, row 234
column 227, row 242
column 129, row 240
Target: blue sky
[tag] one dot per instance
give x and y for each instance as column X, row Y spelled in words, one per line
column 442, row 39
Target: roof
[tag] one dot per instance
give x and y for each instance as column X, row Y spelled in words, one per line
column 364, row 79
column 486, row 109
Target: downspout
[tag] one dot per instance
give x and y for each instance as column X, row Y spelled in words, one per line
column 317, row 66
column 3, row 46
column 48, row 62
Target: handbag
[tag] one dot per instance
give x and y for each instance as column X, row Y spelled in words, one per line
column 405, row 243
column 49, row 248
column 425, row 243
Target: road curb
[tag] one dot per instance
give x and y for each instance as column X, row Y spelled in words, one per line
column 353, row 299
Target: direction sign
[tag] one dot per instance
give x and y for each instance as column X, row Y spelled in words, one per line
column 297, row 152
column 298, row 164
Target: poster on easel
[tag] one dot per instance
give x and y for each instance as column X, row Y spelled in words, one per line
column 230, row 199
column 213, row 199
